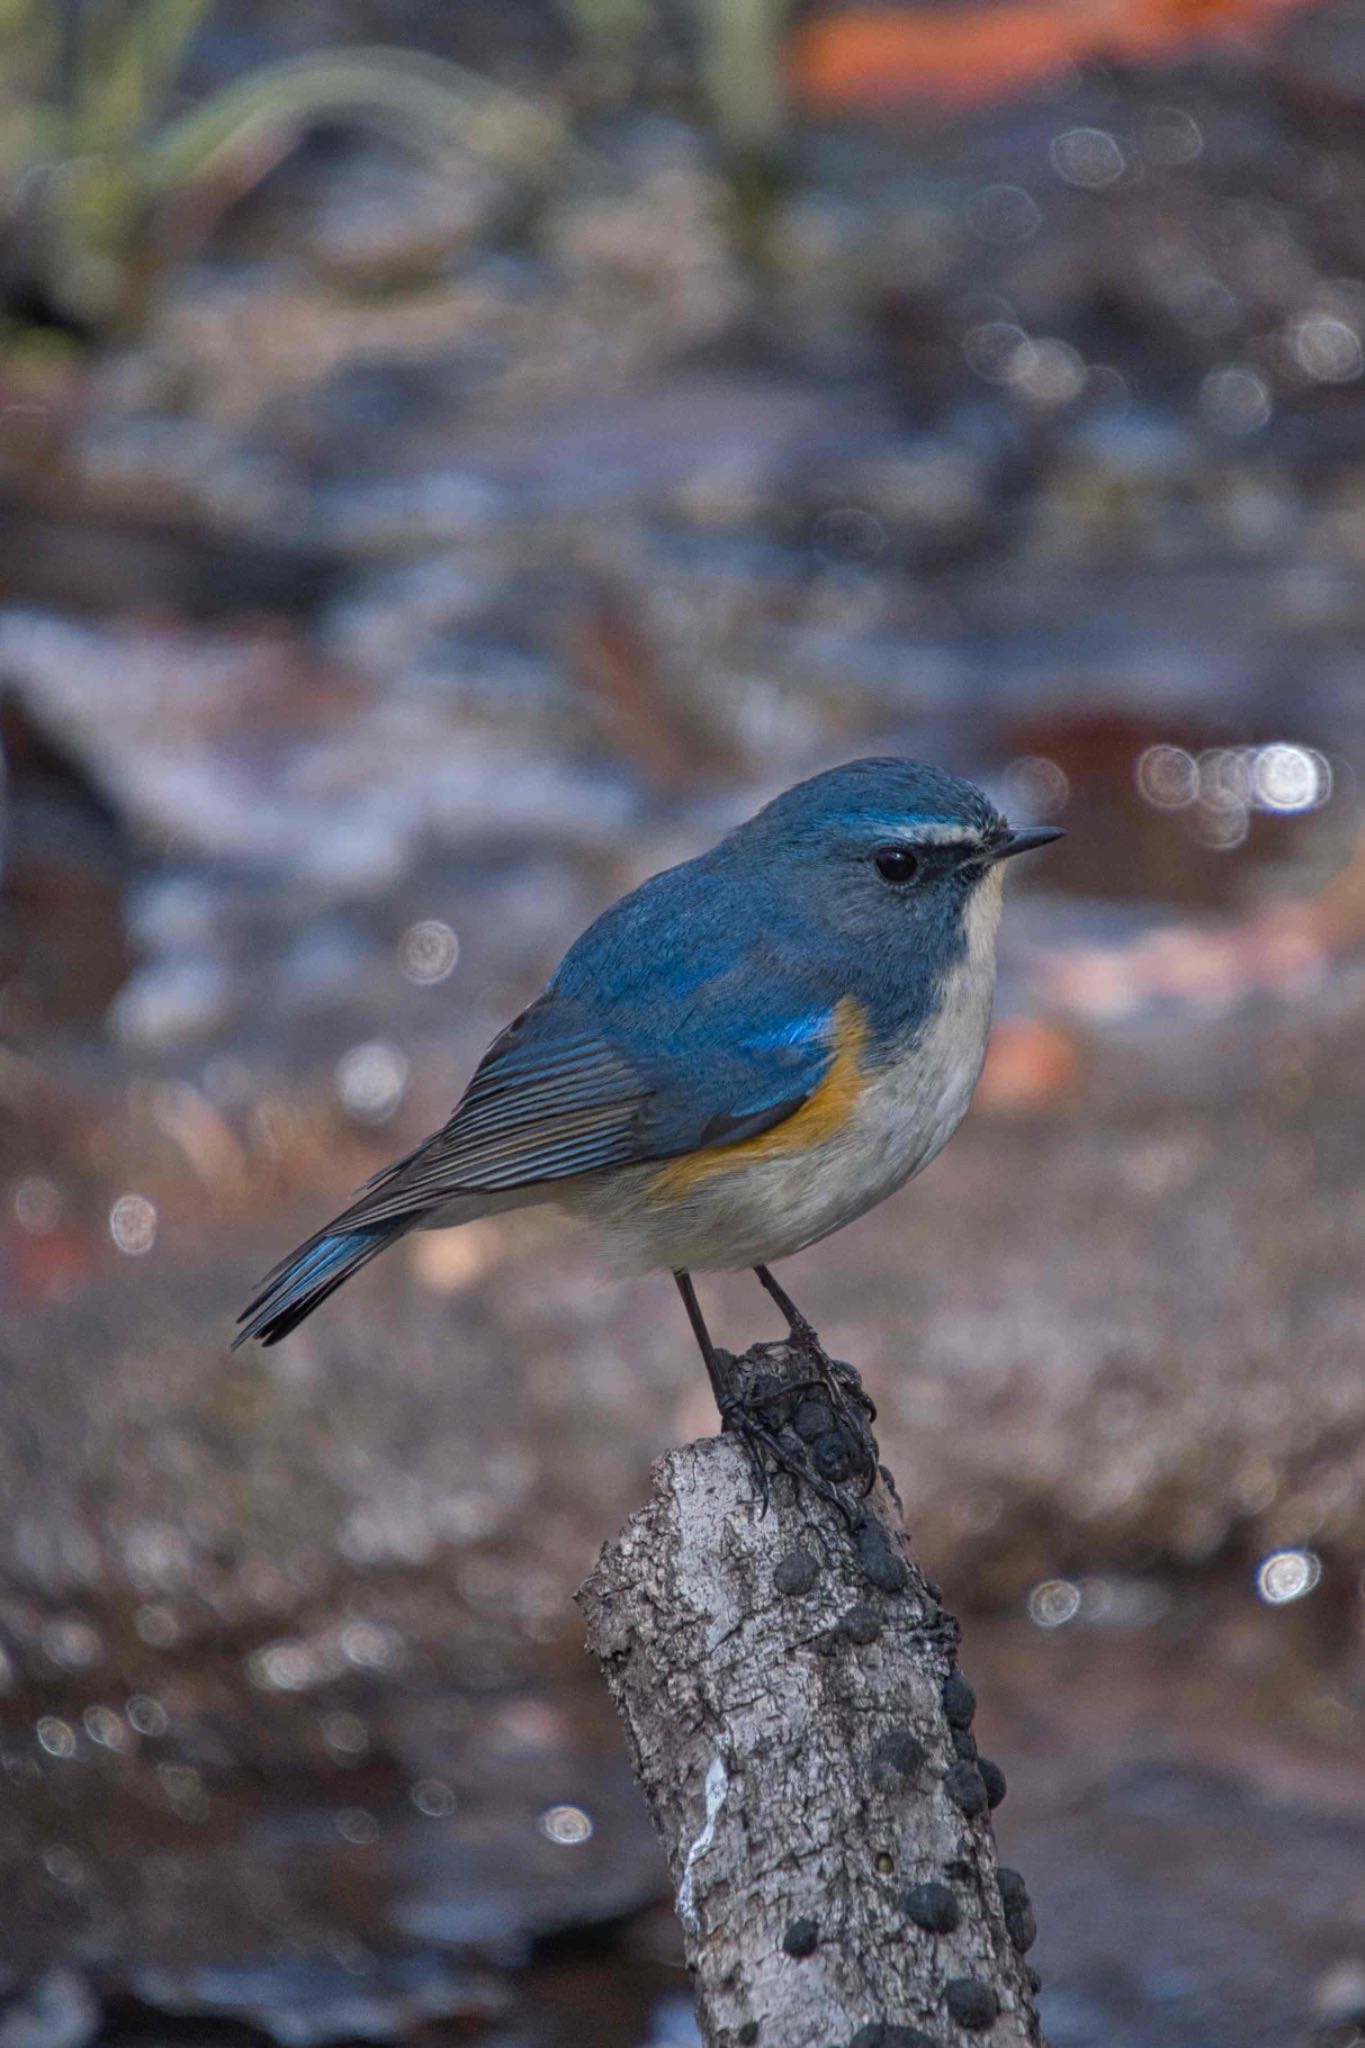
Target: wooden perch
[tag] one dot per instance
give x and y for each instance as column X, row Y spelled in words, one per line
column 801, row 1733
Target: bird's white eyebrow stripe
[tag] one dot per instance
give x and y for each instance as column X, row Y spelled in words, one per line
column 930, row 834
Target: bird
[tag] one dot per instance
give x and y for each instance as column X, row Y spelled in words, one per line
column 738, row 1058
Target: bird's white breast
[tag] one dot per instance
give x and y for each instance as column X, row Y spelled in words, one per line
column 779, row 1201
column 908, row 1112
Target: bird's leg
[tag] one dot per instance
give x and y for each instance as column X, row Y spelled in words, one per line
column 829, row 1377
column 714, row 1370
column 802, row 1332
column 744, row 1417
column 733, row 1414
column 806, row 1338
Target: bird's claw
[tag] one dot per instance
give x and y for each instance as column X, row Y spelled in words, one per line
column 844, row 1392
column 763, row 1442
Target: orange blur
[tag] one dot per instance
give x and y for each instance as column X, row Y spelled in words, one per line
column 870, row 58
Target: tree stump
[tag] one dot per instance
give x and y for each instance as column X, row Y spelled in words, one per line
column 789, row 1686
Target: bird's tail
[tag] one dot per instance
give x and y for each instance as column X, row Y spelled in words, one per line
column 297, row 1285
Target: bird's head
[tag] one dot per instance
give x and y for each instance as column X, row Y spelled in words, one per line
column 890, row 853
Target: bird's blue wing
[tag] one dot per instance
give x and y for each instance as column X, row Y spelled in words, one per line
column 649, row 1044
column 551, row 1098
column 560, row 1094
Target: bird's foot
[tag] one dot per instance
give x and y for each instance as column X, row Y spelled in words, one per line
column 836, row 1405
column 839, row 1381
column 771, row 1445
column 799, row 1427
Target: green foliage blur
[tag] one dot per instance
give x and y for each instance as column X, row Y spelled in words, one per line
column 106, row 182
column 739, row 57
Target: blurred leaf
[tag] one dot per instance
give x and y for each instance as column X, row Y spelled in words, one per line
column 742, row 68
column 424, row 100
column 143, row 62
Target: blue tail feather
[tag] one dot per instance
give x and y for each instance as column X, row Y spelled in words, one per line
column 306, row 1278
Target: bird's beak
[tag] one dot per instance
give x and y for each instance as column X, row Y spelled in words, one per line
column 1024, row 841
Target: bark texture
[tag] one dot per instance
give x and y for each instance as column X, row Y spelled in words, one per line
column 797, row 1722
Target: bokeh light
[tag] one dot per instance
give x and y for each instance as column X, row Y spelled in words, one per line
column 1222, row 827
column 371, row 1080
column 37, row 1204
column 105, row 1727
column 993, row 349
column 356, row 1825
column 1168, row 777
column 132, row 1225
column 1223, row 786
column 1327, row 349
column 1225, row 778
column 345, row 1734
column 428, row 952
column 1003, row 214
column 1236, row 399
column 1087, row 156
column 1287, row 1575
column 64, row 1865
column 147, row 1715
column 71, row 1644
column 57, row 1737
column 569, row 1826
column 1048, row 372
column 1290, row 778
column 371, row 1647
column 1036, row 789
column 1170, row 136
column 433, row 1797
column 182, row 1787
column 284, row 1667
column 156, row 1624
column 1054, row 1603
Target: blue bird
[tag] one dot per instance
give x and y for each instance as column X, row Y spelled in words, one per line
column 741, row 1056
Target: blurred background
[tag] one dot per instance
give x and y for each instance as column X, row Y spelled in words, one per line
column 455, row 460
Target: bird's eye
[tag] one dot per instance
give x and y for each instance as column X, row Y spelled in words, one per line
column 896, row 863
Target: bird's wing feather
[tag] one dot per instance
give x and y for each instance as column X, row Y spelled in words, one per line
column 658, row 1037
column 556, row 1096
